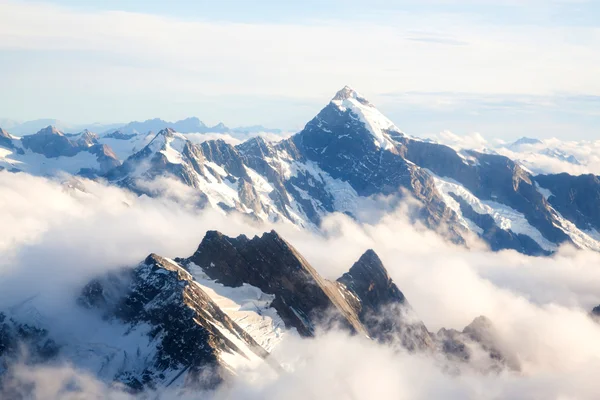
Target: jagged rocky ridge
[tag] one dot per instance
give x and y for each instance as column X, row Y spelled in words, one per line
column 167, row 329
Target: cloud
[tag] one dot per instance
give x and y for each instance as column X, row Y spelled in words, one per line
column 163, row 65
column 550, row 156
column 57, row 237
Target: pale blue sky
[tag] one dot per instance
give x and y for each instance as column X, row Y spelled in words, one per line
column 504, row 68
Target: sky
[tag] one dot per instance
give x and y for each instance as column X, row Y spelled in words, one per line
column 502, row 68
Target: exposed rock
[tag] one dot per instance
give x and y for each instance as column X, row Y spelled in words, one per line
column 478, row 344
column 190, row 331
column 381, row 306
column 364, row 300
column 577, row 198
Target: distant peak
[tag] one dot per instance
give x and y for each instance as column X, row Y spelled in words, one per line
column 526, row 140
column 49, row 130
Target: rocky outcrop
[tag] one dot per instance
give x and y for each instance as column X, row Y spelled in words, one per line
column 364, row 300
column 381, row 306
column 303, row 299
column 478, row 344
column 189, row 330
column 577, row 198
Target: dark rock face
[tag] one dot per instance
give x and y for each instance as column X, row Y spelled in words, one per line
column 303, row 298
column 365, row 300
column 225, row 155
column 342, row 146
column 381, row 306
column 577, row 198
column 478, row 335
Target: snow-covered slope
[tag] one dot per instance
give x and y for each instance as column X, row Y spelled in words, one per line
column 377, row 123
column 50, row 152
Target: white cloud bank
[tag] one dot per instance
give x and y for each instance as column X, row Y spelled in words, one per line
column 54, row 238
column 549, row 156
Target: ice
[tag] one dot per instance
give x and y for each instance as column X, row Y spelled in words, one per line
column 375, row 122
column 248, row 306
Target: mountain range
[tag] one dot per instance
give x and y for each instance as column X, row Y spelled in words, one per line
column 187, row 125
column 195, row 322
column 348, row 154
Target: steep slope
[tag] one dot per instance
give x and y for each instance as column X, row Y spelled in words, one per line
column 214, row 168
column 477, row 344
column 364, row 301
column 381, row 306
column 576, row 198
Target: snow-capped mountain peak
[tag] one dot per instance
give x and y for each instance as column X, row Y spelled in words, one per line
column 169, row 143
column 375, row 122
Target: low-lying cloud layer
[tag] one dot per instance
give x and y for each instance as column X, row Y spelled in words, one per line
column 55, row 237
column 550, row 156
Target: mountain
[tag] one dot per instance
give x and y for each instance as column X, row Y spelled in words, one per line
column 191, row 323
column 50, row 151
column 188, row 125
column 351, row 152
column 522, row 142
